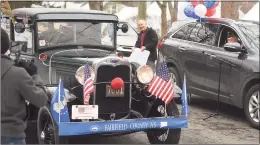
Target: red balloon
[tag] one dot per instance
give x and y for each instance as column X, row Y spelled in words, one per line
column 196, row 2
column 210, row 12
column 117, row 83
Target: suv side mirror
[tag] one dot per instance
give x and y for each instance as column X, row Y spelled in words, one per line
column 233, row 47
column 18, row 46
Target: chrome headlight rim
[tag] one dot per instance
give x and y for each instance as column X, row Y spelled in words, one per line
column 140, row 76
column 79, row 75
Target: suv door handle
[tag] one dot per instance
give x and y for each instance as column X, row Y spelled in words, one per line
column 212, row 56
column 181, row 49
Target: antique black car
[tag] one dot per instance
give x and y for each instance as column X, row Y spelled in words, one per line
column 60, row 42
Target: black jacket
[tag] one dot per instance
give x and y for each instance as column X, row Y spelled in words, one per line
column 16, row 87
column 150, row 42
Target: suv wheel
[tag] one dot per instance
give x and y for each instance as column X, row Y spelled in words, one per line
column 251, row 106
column 176, row 80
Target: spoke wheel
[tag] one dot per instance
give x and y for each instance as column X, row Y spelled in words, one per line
column 164, row 136
column 173, row 77
column 47, row 130
column 254, row 106
column 164, row 133
column 251, row 106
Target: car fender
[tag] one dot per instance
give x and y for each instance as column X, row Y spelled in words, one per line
column 51, row 92
column 252, row 79
column 173, row 62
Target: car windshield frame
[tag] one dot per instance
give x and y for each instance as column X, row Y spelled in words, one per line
column 251, row 32
column 90, row 22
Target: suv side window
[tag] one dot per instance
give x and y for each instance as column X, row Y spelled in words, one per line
column 184, row 31
column 204, row 33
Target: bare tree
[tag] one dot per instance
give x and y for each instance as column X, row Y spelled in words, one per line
column 173, row 10
column 23, row 4
column 142, row 10
column 231, row 9
column 163, row 7
column 96, row 5
column 93, row 5
column 128, row 3
column 247, row 5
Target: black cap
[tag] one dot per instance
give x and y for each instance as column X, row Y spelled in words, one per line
column 5, row 42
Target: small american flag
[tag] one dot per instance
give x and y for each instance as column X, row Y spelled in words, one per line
column 161, row 85
column 88, row 84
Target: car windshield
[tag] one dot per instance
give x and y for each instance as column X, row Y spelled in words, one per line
column 75, row 33
column 251, row 32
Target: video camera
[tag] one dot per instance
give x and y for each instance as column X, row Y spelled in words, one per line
column 16, row 48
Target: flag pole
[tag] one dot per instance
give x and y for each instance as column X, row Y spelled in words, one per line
column 186, row 114
column 165, row 109
column 59, row 99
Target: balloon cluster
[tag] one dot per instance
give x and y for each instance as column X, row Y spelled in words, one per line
column 201, row 9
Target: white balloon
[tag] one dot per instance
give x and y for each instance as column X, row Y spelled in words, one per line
column 200, row 10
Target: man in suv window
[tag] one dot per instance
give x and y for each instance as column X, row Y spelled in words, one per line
column 232, row 38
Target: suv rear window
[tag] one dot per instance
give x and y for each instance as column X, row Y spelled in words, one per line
column 203, row 33
column 198, row 32
column 184, row 31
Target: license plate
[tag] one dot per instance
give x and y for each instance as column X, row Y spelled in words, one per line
column 84, row 112
column 114, row 93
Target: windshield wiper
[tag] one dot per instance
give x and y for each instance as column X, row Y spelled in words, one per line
column 85, row 29
column 92, row 24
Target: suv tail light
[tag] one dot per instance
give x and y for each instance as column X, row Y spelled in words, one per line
column 160, row 44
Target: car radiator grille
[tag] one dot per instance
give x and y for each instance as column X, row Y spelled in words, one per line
column 107, row 105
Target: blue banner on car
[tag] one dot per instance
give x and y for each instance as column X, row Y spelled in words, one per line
column 84, row 128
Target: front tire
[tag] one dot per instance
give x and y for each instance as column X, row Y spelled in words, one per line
column 47, row 129
column 177, row 80
column 157, row 136
column 251, row 106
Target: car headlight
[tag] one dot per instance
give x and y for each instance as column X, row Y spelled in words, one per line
column 80, row 74
column 145, row 74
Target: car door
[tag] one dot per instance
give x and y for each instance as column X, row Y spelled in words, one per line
column 189, row 56
column 230, row 69
column 174, row 47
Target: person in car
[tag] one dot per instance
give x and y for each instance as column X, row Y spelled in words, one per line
column 51, row 35
column 232, row 38
column 147, row 40
column 18, row 85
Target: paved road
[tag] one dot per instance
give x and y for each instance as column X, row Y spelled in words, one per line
column 219, row 129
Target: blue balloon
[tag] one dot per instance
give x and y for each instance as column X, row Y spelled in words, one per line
column 209, row 4
column 189, row 12
column 195, row 16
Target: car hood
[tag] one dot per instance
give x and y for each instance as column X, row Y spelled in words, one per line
column 80, row 61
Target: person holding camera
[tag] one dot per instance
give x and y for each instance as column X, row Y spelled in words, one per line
column 19, row 83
